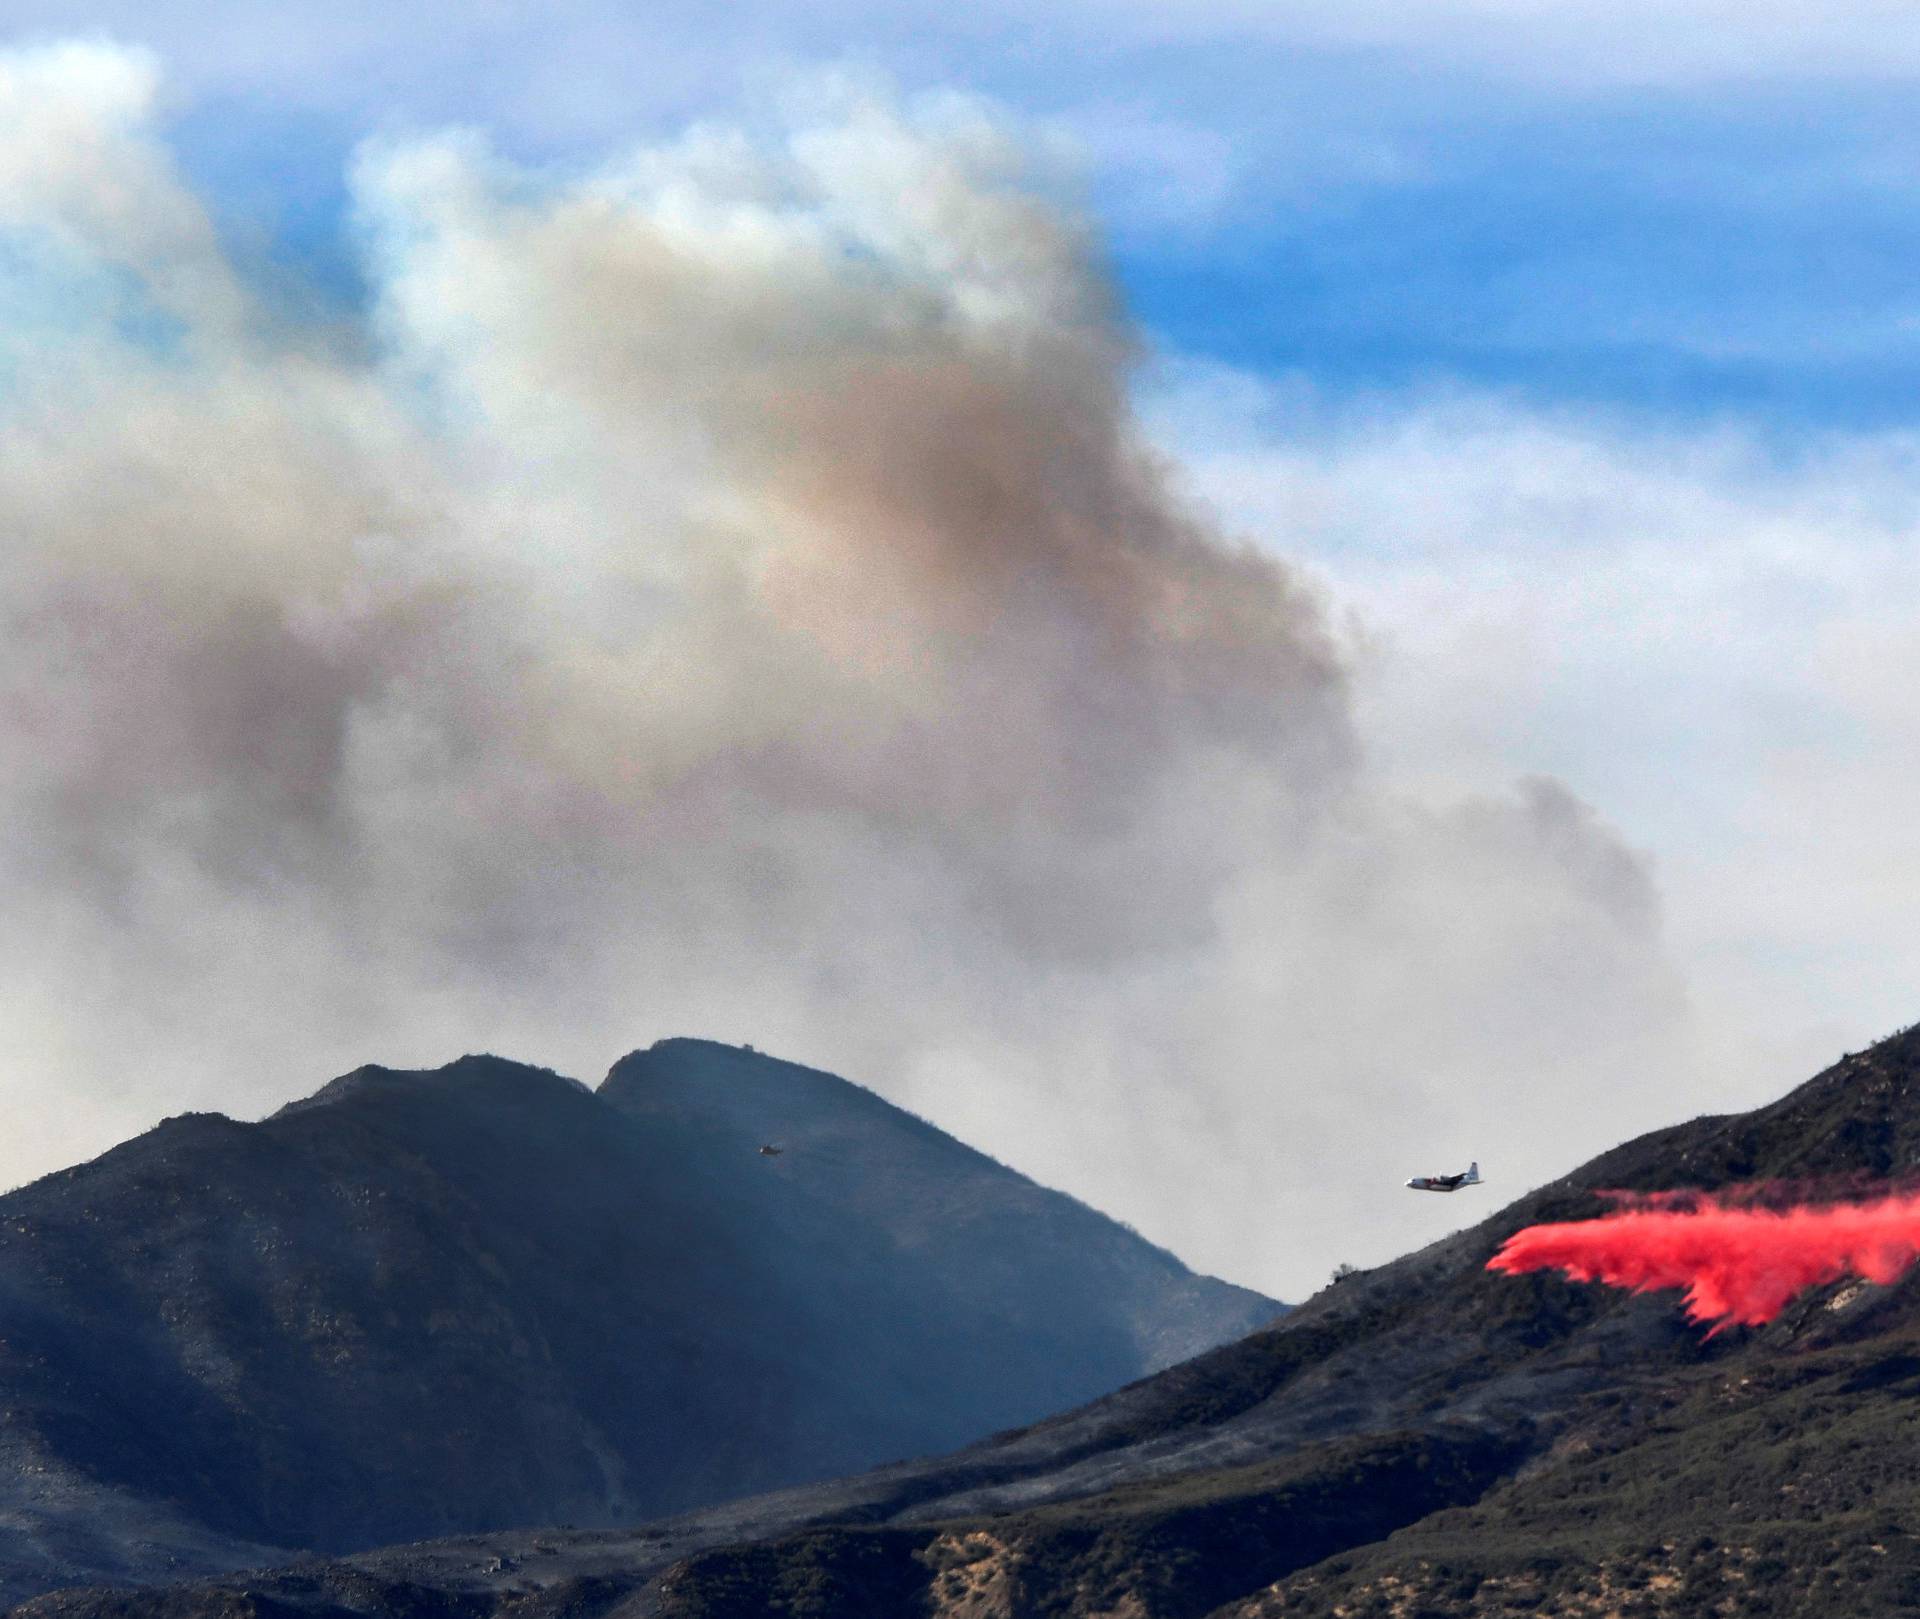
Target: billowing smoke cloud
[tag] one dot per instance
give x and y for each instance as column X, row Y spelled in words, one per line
column 727, row 592
column 1739, row 1264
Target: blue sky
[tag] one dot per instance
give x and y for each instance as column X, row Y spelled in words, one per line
column 1643, row 252
column 1374, row 215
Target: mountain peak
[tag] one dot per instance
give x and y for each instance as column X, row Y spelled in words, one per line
column 765, row 1096
column 480, row 1295
column 477, row 1073
column 688, row 1057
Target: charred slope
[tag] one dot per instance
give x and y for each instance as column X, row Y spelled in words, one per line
column 1426, row 1438
column 424, row 1303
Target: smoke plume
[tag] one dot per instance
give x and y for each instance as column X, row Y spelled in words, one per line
column 726, row 591
column 1738, row 1262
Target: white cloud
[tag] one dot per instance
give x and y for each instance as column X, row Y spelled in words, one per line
column 1711, row 639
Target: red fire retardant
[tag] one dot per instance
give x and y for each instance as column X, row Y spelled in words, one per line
column 1737, row 1264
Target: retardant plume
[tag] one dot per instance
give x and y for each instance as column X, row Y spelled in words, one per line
column 724, row 589
column 1739, row 1263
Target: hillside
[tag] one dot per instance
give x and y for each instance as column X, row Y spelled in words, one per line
column 1427, row 1439
column 421, row 1303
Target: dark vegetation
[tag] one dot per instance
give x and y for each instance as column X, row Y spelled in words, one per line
column 1177, row 1547
column 1770, row 1487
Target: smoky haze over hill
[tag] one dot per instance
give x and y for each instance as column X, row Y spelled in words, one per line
column 484, row 1295
column 728, row 585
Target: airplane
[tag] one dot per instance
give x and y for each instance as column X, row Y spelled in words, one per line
column 1446, row 1183
column 771, row 1151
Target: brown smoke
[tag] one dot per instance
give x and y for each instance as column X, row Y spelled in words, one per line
column 723, row 593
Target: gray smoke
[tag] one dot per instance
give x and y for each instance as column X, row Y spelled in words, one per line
column 727, row 593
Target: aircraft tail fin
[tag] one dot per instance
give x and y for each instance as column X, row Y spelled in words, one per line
column 1473, row 1173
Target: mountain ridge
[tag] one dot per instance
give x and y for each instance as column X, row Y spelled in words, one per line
column 426, row 1301
column 1426, row 1437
